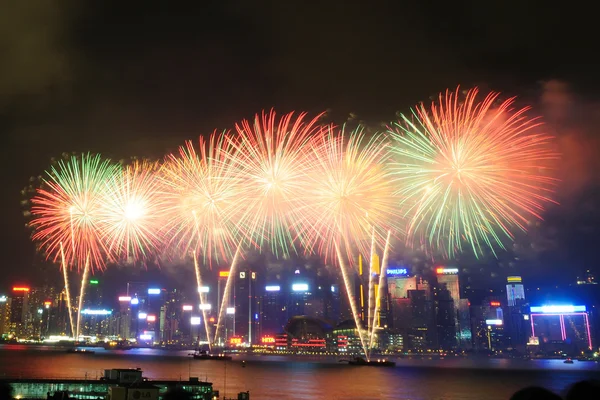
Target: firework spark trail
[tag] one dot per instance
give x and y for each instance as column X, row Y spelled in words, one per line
column 351, row 299
column 271, row 156
column 371, row 282
column 225, row 300
column 131, row 213
column 471, row 171
column 381, row 293
column 200, row 294
column 64, row 266
column 349, row 195
column 86, row 273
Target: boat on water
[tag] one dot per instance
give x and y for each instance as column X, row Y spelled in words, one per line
column 568, row 361
column 205, row 355
column 80, row 351
column 371, row 363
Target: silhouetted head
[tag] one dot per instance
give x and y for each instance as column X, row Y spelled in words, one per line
column 6, row 391
column 535, row 393
column 177, row 394
column 584, row 390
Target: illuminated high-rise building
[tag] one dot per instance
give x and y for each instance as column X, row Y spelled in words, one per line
column 95, row 322
column 171, row 317
column 273, row 310
column 19, row 308
column 333, row 304
column 421, row 336
column 246, row 297
column 515, row 323
column 125, row 317
column 514, row 290
column 93, row 296
column 4, row 315
column 445, row 318
column 489, row 325
column 398, row 285
column 299, row 297
column 60, row 323
column 448, row 279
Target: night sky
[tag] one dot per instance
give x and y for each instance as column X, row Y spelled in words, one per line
column 127, row 78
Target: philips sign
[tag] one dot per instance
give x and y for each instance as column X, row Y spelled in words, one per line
column 397, row 271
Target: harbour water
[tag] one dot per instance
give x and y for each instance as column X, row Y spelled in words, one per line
column 281, row 377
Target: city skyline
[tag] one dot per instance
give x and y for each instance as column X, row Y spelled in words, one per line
column 498, row 321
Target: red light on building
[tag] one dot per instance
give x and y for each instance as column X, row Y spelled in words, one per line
column 20, row 289
column 235, row 340
column 267, row 339
column 47, row 303
column 212, row 319
column 439, row 270
column 495, row 303
column 151, row 318
column 223, row 274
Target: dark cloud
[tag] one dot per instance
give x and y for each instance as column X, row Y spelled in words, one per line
column 129, row 78
column 35, row 52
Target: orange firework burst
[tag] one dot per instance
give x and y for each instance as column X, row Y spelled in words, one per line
column 350, row 196
column 204, row 195
column 132, row 213
column 271, row 157
column 471, row 171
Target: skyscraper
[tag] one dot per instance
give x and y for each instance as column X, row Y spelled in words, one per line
column 332, row 304
column 488, row 325
column 125, row 317
column 4, row 315
column 516, row 324
column 247, row 324
column 514, row 290
column 273, row 310
column 448, row 278
column 19, row 308
column 60, row 323
column 93, row 296
column 399, row 284
column 445, row 318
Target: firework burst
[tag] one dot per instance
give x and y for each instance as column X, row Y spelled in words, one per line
column 271, row 157
column 350, row 200
column 131, row 213
column 470, row 171
column 66, row 211
column 203, row 196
